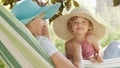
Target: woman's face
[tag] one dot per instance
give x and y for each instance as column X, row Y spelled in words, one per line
column 80, row 25
column 36, row 26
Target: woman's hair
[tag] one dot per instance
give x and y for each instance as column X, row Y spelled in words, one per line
column 69, row 26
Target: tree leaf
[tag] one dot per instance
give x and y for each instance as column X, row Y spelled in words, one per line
column 9, row 2
column 2, row 1
column 116, row 3
column 53, row 18
column 52, row 1
column 61, row 8
column 68, row 5
column 75, row 3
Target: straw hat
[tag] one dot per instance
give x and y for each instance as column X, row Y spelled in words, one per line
column 26, row 10
column 60, row 24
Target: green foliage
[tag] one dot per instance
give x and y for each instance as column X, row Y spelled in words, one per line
column 68, row 5
column 60, row 44
column 116, row 2
column 75, row 3
column 65, row 4
column 112, row 36
column 9, row 2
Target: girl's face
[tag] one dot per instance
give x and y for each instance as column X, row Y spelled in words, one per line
column 80, row 25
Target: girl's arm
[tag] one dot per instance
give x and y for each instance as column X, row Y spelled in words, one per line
column 74, row 49
column 77, row 56
column 94, row 42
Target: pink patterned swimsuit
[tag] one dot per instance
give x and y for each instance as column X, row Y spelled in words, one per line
column 87, row 49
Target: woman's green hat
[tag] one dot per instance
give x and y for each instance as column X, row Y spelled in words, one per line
column 26, row 10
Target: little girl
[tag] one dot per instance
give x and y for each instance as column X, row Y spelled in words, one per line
column 82, row 33
column 80, row 27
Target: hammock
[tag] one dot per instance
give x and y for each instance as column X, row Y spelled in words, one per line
column 19, row 49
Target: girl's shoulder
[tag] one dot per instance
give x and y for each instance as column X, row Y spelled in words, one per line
column 68, row 42
column 91, row 37
column 69, row 45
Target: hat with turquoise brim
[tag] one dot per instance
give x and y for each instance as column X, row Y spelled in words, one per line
column 26, row 10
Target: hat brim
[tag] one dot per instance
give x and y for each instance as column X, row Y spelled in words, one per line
column 48, row 10
column 60, row 26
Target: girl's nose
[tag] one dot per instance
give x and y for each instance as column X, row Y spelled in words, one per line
column 79, row 24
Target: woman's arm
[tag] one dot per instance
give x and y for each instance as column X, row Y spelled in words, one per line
column 61, row 61
column 58, row 59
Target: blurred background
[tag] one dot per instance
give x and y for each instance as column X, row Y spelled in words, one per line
column 107, row 12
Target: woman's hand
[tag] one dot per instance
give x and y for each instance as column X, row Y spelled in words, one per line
column 38, row 27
